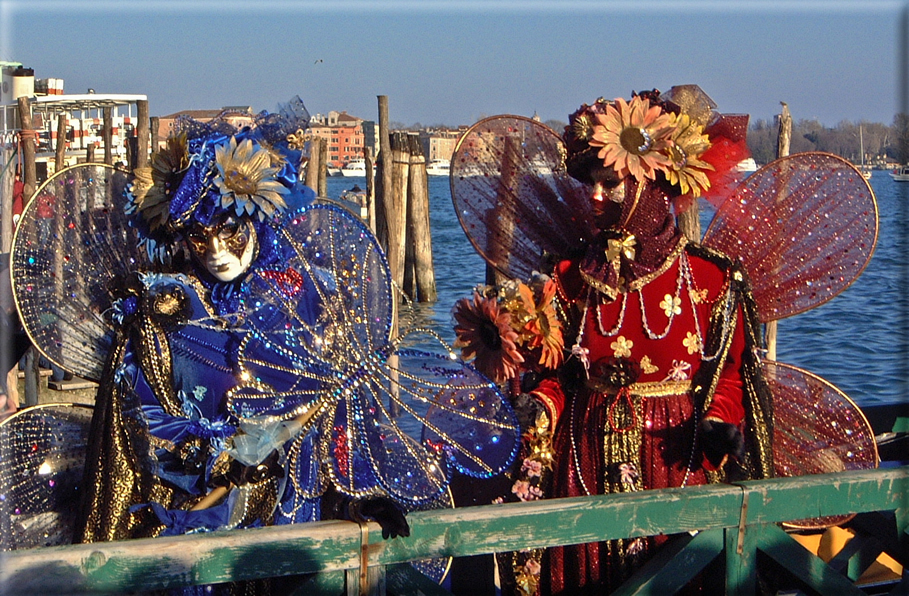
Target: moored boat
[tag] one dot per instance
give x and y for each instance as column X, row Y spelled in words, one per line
column 900, row 173
column 438, row 167
column 356, row 167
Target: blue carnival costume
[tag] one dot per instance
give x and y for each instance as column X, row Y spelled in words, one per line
column 240, row 334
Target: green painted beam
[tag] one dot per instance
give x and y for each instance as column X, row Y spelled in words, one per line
column 741, row 561
column 857, row 555
column 674, row 565
column 331, row 546
column 796, row 559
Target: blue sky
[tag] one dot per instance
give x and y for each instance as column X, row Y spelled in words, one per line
column 453, row 62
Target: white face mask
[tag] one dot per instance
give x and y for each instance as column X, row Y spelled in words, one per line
column 226, row 250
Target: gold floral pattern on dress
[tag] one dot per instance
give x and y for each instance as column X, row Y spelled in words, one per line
column 692, row 342
column 671, row 305
column 697, row 296
column 621, row 347
column 647, row 366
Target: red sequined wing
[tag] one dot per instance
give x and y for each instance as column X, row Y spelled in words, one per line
column 513, row 197
column 804, row 226
column 817, row 430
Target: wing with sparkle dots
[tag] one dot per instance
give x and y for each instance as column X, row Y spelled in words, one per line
column 392, row 419
column 804, row 226
column 72, row 239
column 513, row 197
column 817, row 429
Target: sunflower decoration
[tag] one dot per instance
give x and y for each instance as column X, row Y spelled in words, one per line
column 634, row 138
column 509, row 328
column 485, row 336
column 246, row 179
column 153, row 186
column 685, row 167
column 544, row 330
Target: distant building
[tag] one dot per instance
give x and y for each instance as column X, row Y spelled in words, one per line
column 237, row 116
column 83, row 117
column 440, row 144
column 344, row 135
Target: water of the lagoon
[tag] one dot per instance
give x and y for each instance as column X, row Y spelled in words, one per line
column 859, row 341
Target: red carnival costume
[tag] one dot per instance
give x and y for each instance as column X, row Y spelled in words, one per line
column 661, row 383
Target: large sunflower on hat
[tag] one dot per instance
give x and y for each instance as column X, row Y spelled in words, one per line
column 634, row 137
column 246, row 179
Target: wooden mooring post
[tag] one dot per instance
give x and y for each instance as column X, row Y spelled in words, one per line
column 782, row 150
column 312, row 166
column 418, row 228
column 369, row 158
column 143, row 138
column 108, row 134
column 30, row 179
column 405, row 213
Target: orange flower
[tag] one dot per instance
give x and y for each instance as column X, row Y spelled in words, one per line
column 485, row 336
column 545, row 329
column 634, row 138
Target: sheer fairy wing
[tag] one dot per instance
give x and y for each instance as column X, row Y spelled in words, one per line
column 42, row 455
column 319, row 342
column 817, row 429
column 73, row 238
column 804, row 226
column 513, row 196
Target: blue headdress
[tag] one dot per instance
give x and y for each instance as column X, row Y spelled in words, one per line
column 207, row 169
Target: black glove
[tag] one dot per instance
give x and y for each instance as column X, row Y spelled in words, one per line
column 526, row 408
column 382, row 510
column 238, row 474
column 719, row 439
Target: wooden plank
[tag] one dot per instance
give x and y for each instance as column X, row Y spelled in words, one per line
column 741, row 563
column 857, row 555
column 674, row 565
column 334, row 545
column 796, row 559
column 169, row 562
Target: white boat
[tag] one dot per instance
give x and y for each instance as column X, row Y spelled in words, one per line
column 438, row 167
column 864, row 169
column 333, row 171
column 900, row 173
column 356, row 167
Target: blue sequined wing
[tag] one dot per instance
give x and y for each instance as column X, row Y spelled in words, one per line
column 395, row 421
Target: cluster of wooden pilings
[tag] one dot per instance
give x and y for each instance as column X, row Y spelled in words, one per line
column 397, row 204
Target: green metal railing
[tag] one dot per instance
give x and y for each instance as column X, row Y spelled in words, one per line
column 733, row 521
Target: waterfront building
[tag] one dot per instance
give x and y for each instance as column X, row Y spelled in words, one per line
column 238, row 116
column 83, row 113
column 344, row 135
column 439, row 144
